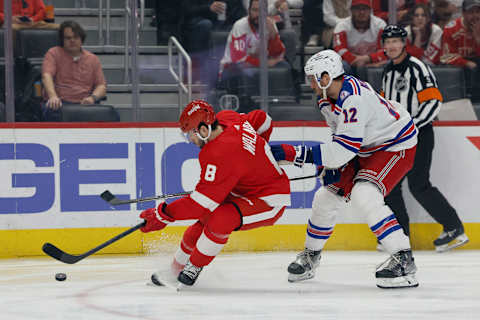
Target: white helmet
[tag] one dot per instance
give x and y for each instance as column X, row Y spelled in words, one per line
column 324, row 61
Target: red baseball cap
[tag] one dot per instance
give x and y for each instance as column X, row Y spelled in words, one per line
column 361, row 2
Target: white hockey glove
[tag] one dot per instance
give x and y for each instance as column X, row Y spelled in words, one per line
column 301, row 154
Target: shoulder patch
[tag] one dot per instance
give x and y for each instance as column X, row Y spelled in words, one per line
column 344, row 94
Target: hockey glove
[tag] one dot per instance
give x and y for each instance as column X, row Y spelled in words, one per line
column 322, row 103
column 328, row 176
column 298, row 154
column 156, row 219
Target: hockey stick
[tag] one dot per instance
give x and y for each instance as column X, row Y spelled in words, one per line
column 64, row 257
column 114, row 201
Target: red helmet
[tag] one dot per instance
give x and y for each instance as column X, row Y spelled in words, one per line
column 195, row 112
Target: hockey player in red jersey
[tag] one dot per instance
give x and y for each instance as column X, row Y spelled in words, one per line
column 241, row 186
column 373, row 143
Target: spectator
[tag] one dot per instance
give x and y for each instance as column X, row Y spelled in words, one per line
column 424, row 37
column 279, row 11
column 358, row 38
column 200, row 18
column 71, row 74
column 333, row 12
column 461, row 45
column 27, row 14
column 410, row 82
column 313, row 23
column 381, row 9
column 168, row 19
column 241, row 57
column 444, row 11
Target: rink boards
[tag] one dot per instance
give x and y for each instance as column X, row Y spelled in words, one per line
column 51, row 179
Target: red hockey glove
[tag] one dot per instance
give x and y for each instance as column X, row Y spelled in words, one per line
column 156, row 219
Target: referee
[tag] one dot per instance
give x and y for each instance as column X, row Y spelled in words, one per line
column 409, row 81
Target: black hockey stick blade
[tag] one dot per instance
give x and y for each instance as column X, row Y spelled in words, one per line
column 64, row 257
column 114, row 201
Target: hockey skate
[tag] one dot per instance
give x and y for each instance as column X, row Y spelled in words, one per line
column 304, row 266
column 398, row 271
column 450, row 239
column 189, row 274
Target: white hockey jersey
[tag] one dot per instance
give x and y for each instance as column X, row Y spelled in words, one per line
column 363, row 122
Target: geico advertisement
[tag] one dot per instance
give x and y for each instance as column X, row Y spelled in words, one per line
column 52, row 178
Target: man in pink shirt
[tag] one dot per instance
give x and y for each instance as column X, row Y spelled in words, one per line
column 70, row 74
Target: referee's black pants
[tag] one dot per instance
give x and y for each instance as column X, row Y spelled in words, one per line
column 421, row 188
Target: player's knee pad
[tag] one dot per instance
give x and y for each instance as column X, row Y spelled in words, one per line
column 325, row 206
column 366, row 197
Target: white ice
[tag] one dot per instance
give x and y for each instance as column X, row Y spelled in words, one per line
column 240, row 286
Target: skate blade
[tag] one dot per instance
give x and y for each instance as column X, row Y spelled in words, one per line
column 300, row 277
column 455, row 243
column 160, row 280
column 408, row 281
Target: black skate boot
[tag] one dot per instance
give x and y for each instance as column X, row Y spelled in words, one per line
column 398, row 271
column 189, row 274
column 450, row 239
column 304, row 266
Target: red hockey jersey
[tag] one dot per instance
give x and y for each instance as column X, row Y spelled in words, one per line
column 457, row 44
column 238, row 161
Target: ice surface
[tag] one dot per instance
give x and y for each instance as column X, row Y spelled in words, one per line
column 240, row 286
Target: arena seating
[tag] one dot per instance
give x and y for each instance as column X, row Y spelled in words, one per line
column 90, row 113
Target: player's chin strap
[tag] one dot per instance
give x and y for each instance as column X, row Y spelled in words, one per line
column 208, row 136
column 324, row 89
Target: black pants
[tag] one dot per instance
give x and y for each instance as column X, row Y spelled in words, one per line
column 312, row 13
column 421, row 188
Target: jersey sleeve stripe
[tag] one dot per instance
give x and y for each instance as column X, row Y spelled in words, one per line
column 265, row 125
column 348, row 138
column 204, row 201
column 429, row 94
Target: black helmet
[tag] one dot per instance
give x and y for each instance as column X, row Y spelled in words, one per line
column 393, row 31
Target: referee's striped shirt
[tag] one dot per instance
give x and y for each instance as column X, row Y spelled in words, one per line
column 413, row 84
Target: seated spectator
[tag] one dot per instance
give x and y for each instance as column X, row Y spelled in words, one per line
column 461, row 45
column 27, row 14
column 313, row 23
column 357, row 39
column 333, row 12
column 444, row 11
column 70, row 74
column 200, row 18
column 404, row 7
column 424, row 39
column 279, row 11
column 241, row 58
column 168, row 19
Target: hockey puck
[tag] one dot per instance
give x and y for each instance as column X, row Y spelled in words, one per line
column 60, row 277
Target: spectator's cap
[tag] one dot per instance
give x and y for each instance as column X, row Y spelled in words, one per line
column 196, row 112
column 361, row 2
column 469, row 4
column 394, row 31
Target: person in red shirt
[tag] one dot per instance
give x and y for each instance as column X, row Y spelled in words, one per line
column 27, row 14
column 247, row 193
column 461, row 44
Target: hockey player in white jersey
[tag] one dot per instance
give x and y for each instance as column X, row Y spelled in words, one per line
column 373, row 145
